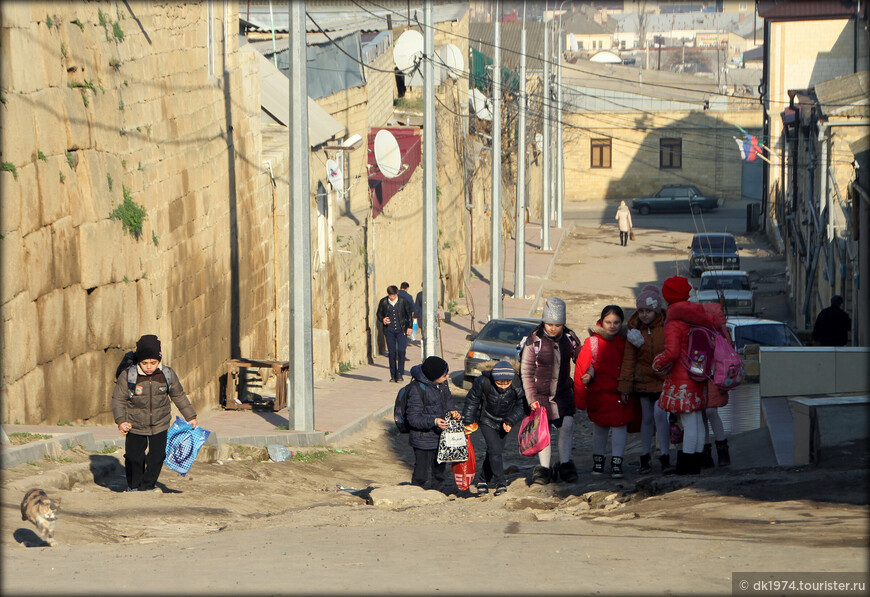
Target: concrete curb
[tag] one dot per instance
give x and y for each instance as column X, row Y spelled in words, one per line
column 356, row 426
column 12, row 456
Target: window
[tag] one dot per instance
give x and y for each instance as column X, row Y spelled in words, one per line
column 600, row 153
column 670, row 153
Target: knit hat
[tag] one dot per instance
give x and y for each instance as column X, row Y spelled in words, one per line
column 148, row 347
column 503, row 371
column 554, row 311
column 650, row 298
column 676, row 289
column 434, row 368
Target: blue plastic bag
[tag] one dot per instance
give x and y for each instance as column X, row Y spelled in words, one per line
column 183, row 442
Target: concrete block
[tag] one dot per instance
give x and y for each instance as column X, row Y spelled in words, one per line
column 58, row 401
column 795, row 371
column 19, row 339
column 48, row 114
column 852, row 373
column 50, row 322
column 38, row 262
column 92, row 393
column 53, row 198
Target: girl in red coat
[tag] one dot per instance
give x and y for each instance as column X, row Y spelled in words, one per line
column 716, row 398
column 680, row 393
column 596, row 390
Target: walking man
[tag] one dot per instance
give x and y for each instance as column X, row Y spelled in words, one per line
column 832, row 325
column 395, row 313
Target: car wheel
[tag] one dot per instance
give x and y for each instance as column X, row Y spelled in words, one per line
column 695, row 273
column 643, row 210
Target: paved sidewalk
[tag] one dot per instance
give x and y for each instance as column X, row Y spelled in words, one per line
column 343, row 403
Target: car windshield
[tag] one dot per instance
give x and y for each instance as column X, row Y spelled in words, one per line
column 767, row 334
column 724, row 283
column 505, row 331
column 714, row 243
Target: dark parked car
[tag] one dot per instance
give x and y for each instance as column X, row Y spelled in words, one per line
column 497, row 341
column 676, row 197
column 713, row 251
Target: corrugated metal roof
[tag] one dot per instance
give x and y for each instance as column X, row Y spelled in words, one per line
column 275, row 99
column 342, row 16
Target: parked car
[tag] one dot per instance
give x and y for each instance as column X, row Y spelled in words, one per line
column 497, row 341
column 763, row 332
column 713, row 251
column 732, row 289
column 675, row 198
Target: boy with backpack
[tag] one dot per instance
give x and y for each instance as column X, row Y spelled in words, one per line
column 429, row 405
column 142, row 409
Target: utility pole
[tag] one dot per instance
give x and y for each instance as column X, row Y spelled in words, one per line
column 560, row 148
column 430, row 211
column 545, row 163
column 300, row 382
column 520, row 244
column 495, row 253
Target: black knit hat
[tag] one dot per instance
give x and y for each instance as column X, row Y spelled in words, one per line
column 148, row 347
column 434, row 368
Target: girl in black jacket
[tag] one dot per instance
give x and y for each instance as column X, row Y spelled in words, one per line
column 497, row 401
column 429, row 405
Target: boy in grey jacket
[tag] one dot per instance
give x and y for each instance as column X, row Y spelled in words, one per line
column 141, row 408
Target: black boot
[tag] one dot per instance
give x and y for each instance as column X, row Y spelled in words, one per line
column 541, row 475
column 645, row 467
column 616, row 467
column 665, row 461
column 707, row 457
column 598, row 464
column 680, row 468
column 722, row 453
column 693, row 463
column 568, row 472
column 556, row 472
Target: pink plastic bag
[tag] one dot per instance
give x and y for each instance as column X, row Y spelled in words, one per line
column 534, row 433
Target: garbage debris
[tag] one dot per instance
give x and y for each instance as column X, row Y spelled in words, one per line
column 279, row 453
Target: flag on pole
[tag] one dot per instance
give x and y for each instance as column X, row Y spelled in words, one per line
column 749, row 148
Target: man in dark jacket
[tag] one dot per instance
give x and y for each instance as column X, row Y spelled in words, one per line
column 429, row 405
column 496, row 400
column 832, row 325
column 395, row 313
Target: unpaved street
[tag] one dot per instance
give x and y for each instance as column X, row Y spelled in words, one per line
column 347, row 522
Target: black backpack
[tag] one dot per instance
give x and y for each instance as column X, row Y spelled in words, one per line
column 128, row 364
column 401, row 406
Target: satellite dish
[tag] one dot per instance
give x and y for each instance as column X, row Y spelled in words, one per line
column 479, row 104
column 572, row 42
column 408, row 49
column 333, row 173
column 451, row 56
column 387, row 154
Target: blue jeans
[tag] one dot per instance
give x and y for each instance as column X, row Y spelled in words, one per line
column 397, row 342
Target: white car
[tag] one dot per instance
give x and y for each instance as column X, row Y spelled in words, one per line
column 731, row 289
column 764, row 332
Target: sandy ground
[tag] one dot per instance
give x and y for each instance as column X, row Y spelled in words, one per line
column 347, row 522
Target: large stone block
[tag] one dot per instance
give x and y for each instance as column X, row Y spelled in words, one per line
column 17, row 141
column 77, row 121
column 48, row 112
column 23, row 75
column 66, row 253
column 111, row 316
column 92, row 393
column 11, row 270
column 75, row 311
column 19, row 338
column 51, row 330
column 15, row 14
column 22, row 400
column 57, row 399
column 97, row 252
column 39, row 262
column 53, row 198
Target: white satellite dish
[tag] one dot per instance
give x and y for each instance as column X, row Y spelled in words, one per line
column 479, row 104
column 572, row 42
column 333, row 173
column 408, row 49
column 387, row 154
column 451, row 56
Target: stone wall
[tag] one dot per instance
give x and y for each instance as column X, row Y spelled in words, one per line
column 106, row 102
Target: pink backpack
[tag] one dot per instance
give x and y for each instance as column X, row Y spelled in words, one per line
column 698, row 358
column 728, row 369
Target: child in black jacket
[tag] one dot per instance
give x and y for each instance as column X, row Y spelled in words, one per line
column 497, row 401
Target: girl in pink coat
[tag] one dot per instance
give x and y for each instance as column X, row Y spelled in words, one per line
column 596, row 390
column 716, row 398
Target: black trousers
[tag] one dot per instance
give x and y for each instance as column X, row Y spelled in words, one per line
column 397, row 344
column 428, row 473
column 143, row 469
column 623, row 238
column 493, row 464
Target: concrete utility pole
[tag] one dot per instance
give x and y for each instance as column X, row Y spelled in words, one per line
column 495, row 254
column 430, row 211
column 560, row 147
column 300, row 382
column 520, row 244
column 545, row 163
